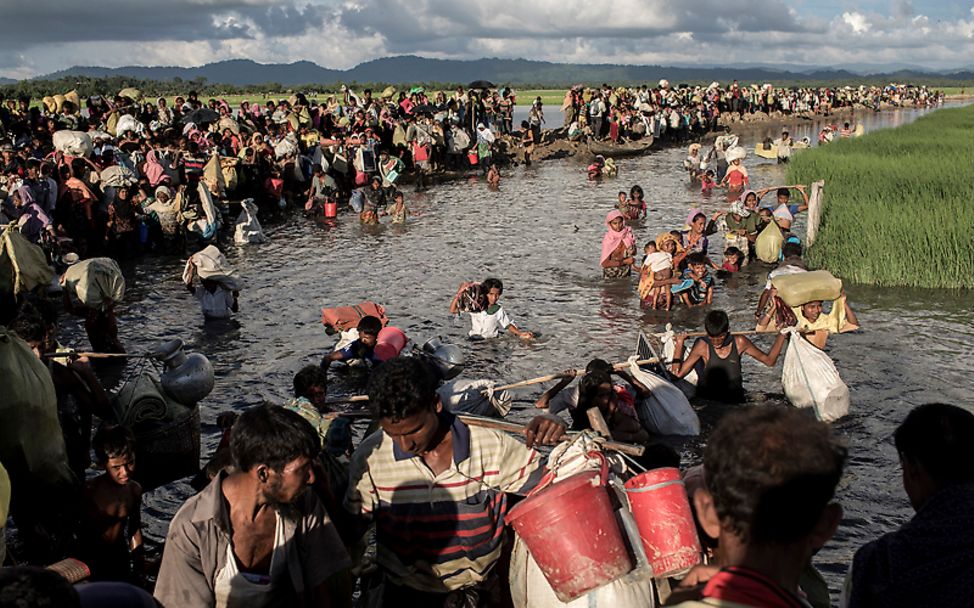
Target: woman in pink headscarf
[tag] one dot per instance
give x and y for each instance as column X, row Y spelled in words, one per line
column 154, row 170
column 618, row 247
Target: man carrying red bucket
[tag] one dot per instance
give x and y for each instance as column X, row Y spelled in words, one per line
column 437, row 490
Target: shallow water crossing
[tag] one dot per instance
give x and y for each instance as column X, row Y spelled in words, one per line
column 540, row 233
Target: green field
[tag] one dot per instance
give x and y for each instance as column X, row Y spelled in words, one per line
column 897, row 207
column 550, row 97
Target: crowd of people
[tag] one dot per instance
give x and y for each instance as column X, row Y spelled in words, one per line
column 289, row 511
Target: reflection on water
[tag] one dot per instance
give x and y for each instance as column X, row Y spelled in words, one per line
column 540, row 232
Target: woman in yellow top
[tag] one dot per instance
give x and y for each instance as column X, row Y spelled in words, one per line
column 811, row 320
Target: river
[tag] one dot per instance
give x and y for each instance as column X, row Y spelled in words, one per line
column 540, row 233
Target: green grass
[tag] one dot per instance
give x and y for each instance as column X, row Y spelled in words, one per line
column 899, row 203
column 550, row 97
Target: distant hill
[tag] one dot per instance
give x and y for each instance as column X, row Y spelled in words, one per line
column 412, row 69
column 7, row 80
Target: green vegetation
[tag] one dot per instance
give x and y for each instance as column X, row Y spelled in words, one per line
column 897, row 205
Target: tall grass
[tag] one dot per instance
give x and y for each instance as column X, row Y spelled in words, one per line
column 899, row 203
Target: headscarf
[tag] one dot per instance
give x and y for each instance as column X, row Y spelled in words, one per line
column 154, row 171
column 693, row 213
column 612, row 238
column 668, row 236
column 739, row 207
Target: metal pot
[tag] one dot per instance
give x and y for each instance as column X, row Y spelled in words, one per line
column 188, row 378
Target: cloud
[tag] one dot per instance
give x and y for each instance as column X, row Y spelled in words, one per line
column 857, row 21
column 342, row 33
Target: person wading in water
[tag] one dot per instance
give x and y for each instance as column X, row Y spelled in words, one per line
column 719, row 357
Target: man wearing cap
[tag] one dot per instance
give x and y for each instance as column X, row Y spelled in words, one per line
column 11, row 163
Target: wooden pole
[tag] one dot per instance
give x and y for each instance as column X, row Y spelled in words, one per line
column 507, row 387
column 814, row 212
column 89, row 355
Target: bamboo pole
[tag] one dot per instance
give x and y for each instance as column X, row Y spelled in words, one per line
column 507, row 387
column 89, row 355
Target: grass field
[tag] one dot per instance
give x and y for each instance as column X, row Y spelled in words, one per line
column 549, row 97
column 897, row 206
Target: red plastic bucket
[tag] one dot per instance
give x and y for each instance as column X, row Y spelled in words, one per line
column 389, row 343
column 473, row 157
column 331, row 209
column 570, row 528
column 660, row 507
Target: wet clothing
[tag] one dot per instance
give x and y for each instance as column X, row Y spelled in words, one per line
column 357, row 349
column 721, row 379
column 417, row 514
column 489, row 323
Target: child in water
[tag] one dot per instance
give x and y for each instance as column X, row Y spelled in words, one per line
column 707, row 181
column 493, row 319
column 656, row 268
column 361, row 348
column 732, row 259
column 493, row 176
column 697, row 288
column 111, row 530
column 399, row 212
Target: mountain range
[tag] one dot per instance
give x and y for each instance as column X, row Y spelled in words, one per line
column 413, row 69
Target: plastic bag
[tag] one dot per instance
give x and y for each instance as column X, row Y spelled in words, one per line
column 96, row 281
column 247, row 228
column 810, row 379
column 73, row 143
column 666, row 411
column 768, row 244
column 475, row 397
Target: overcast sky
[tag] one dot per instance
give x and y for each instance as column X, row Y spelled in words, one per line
column 41, row 36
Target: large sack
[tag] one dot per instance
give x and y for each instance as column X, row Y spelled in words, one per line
column 247, row 228
column 810, row 379
column 31, row 444
column 23, row 265
column 804, row 287
column 666, row 411
column 213, row 175
column 117, row 176
column 768, row 244
column 212, row 264
column 475, row 397
column 128, row 123
column 287, row 147
column 73, row 143
column 96, row 281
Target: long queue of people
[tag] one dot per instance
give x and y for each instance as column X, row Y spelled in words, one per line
column 679, row 112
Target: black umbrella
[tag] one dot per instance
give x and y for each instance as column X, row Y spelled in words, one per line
column 424, row 109
column 481, row 84
column 200, row 116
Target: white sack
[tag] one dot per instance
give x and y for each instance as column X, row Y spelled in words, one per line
column 468, row 397
column 810, row 379
column 247, row 228
column 73, row 143
column 666, row 411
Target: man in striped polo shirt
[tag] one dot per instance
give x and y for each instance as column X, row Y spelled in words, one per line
column 437, row 490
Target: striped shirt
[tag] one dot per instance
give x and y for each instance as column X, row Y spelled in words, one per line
column 438, row 533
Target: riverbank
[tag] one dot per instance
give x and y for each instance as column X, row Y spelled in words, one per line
column 900, row 193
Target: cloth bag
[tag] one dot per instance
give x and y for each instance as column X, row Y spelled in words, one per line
column 96, row 281
column 810, row 379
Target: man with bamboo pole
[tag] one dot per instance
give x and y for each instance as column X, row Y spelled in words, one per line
column 436, row 489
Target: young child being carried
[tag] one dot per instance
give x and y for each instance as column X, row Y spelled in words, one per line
column 656, row 268
column 110, row 537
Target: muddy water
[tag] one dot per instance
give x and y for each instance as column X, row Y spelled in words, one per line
column 540, row 233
